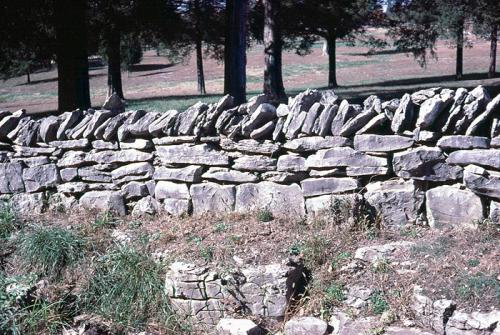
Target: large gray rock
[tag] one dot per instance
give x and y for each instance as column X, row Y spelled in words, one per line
column 211, row 197
column 291, row 163
column 430, row 110
column 188, row 174
column 237, row 327
column 250, row 146
column 493, row 108
column 11, row 178
column 319, row 186
column 225, row 103
column 404, row 115
column 40, row 177
column 343, row 156
column 482, row 182
column 202, row 154
column 286, row 200
column 495, row 212
column 311, row 117
column 322, row 125
column 114, row 103
column 344, row 114
column 255, row 163
column 295, row 125
column 488, row 158
column 68, row 174
column 48, row 128
column 445, row 207
column 146, row 206
column 414, row 162
column 475, row 103
column 177, row 207
column 71, row 144
column 97, row 120
column 330, row 204
column 92, row 174
column 106, row 201
column 170, row 190
column 28, row 134
column 77, row 131
column 110, row 132
column 28, row 204
column 72, row 159
column 121, row 156
column 138, row 143
column 374, row 125
column 475, row 323
column 263, row 132
column 355, row 171
column 185, row 122
column 382, row 143
column 69, row 120
column 141, row 126
column 122, row 132
column 399, row 202
column 357, row 122
column 141, row 170
column 315, row 143
column 306, row 326
column 455, row 142
column 283, row 177
column 9, row 123
column 422, row 95
column 161, row 125
column 229, row 176
column 134, row 190
column 262, row 115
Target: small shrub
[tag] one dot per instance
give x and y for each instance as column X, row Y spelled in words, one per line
column 50, row 250
column 378, row 304
column 265, row 215
column 220, row 227
column 473, row 262
column 339, row 258
column 7, row 220
column 127, row 288
column 334, row 293
column 104, row 220
column 315, row 251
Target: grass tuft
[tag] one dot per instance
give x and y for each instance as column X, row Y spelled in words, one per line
column 50, row 250
column 265, row 215
column 127, row 288
column 7, row 220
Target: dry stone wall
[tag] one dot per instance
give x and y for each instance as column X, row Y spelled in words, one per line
column 430, row 157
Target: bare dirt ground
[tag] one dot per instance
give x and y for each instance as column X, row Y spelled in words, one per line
column 158, row 84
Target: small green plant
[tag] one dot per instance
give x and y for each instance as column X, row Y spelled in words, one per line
column 295, row 249
column 127, row 287
column 473, row 262
column 477, row 285
column 377, row 331
column 381, row 266
column 334, row 293
column 339, row 258
column 265, row 215
column 50, row 250
column 207, row 253
column 409, row 231
column 220, row 227
column 7, row 220
column 316, row 251
column 378, row 304
column 104, row 220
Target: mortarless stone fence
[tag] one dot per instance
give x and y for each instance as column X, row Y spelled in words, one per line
column 430, row 157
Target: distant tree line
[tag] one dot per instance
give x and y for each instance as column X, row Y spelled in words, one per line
column 35, row 33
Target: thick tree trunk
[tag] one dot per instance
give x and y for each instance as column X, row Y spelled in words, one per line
column 227, row 45
column 237, row 51
column 460, row 52
column 71, row 53
column 273, row 46
column 332, row 60
column 114, row 63
column 199, row 51
column 493, row 51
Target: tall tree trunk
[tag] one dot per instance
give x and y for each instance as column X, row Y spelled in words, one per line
column 199, row 68
column 460, row 52
column 493, row 51
column 237, row 51
column 331, row 41
column 227, row 45
column 114, row 62
column 273, row 46
column 28, row 77
column 199, row 51
column 71, row 53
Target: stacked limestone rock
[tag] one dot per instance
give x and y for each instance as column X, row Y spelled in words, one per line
column 420, row 157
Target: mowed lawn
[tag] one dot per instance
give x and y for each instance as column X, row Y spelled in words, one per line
column 157, row 84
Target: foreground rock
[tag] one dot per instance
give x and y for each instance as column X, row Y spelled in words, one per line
column 106, row 201
column 306, row 326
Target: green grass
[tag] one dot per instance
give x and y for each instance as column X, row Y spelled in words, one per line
column 265, row 215
column 127, row 287
column 163, row 105
column 49, row 250
column 378, row 304
column 478, row 285
column 7, row 220
column 334, row 293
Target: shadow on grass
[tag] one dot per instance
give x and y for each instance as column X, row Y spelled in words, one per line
column 378, row 52
column 54, row 79
column 149, row 67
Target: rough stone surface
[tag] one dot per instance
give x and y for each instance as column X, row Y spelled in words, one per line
column 279, row 199
column 255, row 163
column 306, row 326
column 106, row 201
column 189, row 174
column 40, row 177
column 11, row 178
column 28, row 204
column 211, row 197
column 343, row 156
column 445, row 207
column 488, row 158
column 319, row 186
column 482, row 182
column 237, row 327
column 314, row 143
column 170, row 190
column 229, row 176
column 202, row 154
column 461, row 142
column 399, row 202
column 382, row 143
column 291, row 163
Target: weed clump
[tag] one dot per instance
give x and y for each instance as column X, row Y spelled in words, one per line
column 50, row 250
column 265, row 215
column 7, row 220
column 127, row 287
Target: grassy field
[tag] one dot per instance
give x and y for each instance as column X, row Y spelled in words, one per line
column 158, row 84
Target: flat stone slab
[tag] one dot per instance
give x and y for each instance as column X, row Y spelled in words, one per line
column 461, row 142
column 381, row 143
column 250, row 146
column 343, row 156
column 482, row 182
column 104, row 201
column 201, row 154
column 229, row 176
column 482, row 157
column 445, row 207
column 314, row 143
column 284, row 200
column 255, row 163
column 211, row 197
column 319, row 186
column 188, row 174
column 171, row 190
